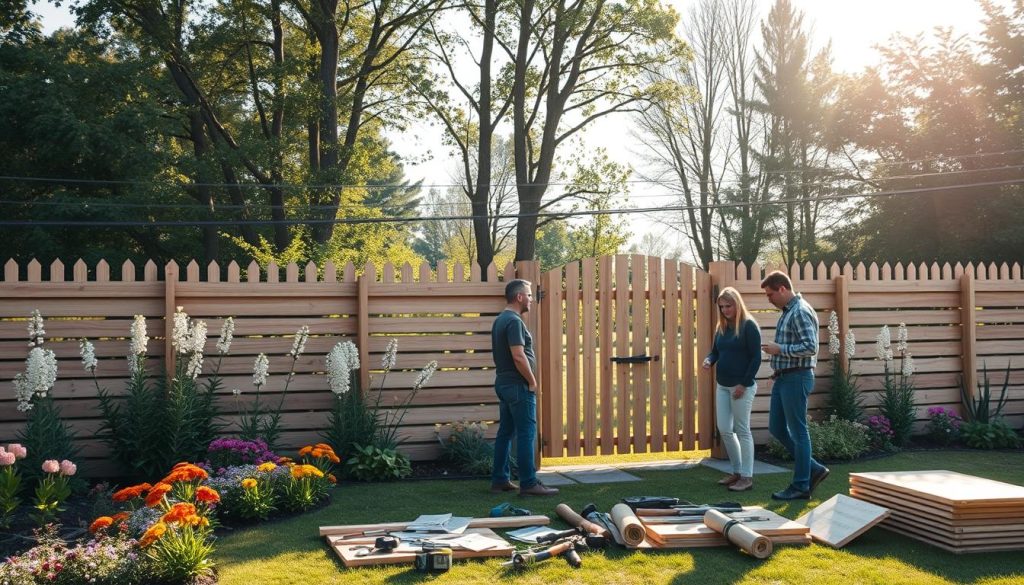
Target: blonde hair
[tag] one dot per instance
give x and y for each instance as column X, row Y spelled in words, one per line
column 742, row 314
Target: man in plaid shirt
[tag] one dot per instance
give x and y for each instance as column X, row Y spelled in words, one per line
column 794, row 354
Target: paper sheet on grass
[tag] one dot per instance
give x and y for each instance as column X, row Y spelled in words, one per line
column 530, row 534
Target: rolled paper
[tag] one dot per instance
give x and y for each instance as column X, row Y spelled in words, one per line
column 629, row 525
column 576, row 521
column 737, row 533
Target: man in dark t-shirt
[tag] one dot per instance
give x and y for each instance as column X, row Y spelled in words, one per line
column 515, row 383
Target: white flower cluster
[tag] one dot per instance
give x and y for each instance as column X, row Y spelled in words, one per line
column 341, row 361
column 35, row 329
column 180, row 333
column 137, row 349
column 38, row 378
column 908, row 365
column 390, row 355
column 425, row 375
column 901, row 338
column 259, row 370
column 299, row 345
column 227, row 333
column 851, row 344
column 883, row 345
column 833, row 334
column 88, row 353
column 197, row 342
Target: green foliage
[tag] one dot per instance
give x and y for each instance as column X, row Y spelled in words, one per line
column 834, row 439
column 350, row 422
column 898, row 405
column 944, row 425
column 373, row 463
column 10, row 484
column 979, row 407
column 466, row 447
column 188, row 421
column 994, row 434
column 46, row 436
column 844, row 399
column 51, row 492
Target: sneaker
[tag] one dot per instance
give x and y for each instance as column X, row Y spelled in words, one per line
column 742, row 484
column 538, row 489
column 791, row 493
column 729, row 479
column 508, row 486
column 819, row 477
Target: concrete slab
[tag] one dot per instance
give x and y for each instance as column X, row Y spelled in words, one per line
column 551, row 478
column 668, row 465
column 601, row 475
column 760, row 467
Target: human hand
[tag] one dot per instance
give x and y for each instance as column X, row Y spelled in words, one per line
column 771, row 348
column 706, row 364
column 738, row 391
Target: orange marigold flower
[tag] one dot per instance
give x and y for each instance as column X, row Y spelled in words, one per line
column 284, row 460
column 156, row 494
column 195, row 520
column 248, row 483
column 131, row 492
column 331, row 478
column 301, row 471
column 121, row 516
column 305, row 450
column 153, row 534
column 317, row 453
column 185, row 472
column 266, row 467
column 100, row 523
column 178, row 512
column 207, row 495
column 333, row 458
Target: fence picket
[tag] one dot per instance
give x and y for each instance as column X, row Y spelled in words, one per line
column 349, row 273
column 330, row 272
column 572, row 358
column 149, row 271
column 234, row 272
column 213, row 271
column 672, row 353
column 442, row 271
column 425, row 272
column 11, row 271
column 622, row 329
column 589, row 323
column 57, row 271
column 459, row 273
column 388, row 275
column 407, row 273
column 656, row 352
column 102, row 271
column 127, row 271
column 273, row 272
column 79, row 271
column 606, row 329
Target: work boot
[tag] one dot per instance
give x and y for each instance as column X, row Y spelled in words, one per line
column 538, row 489
column 729, row 479
column 508, row 486
column 742, row 484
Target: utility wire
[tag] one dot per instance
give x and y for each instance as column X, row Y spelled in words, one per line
column 258, row 206
column 404, row 220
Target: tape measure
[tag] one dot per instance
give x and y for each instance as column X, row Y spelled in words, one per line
column 434, row 560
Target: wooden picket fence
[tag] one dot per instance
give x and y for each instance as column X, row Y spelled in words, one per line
column 959, row 317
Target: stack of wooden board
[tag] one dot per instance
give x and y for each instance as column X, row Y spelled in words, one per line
column 953, row 511
column 690, row 531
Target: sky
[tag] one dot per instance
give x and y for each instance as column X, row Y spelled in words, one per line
column 854, row 27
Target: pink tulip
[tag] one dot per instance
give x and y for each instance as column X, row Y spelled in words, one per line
column 6, row 458
column 68, row 468
column 51, row 466
column 19, row 451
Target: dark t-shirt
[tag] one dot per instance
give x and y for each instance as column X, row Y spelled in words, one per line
column 509, row 330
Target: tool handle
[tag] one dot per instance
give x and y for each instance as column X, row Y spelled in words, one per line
column 552, row 537
column 573, row 558
column 573, row 519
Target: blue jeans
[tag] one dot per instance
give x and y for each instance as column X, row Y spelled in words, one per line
column 787, row 422
column 733, row 420
column 518, row 419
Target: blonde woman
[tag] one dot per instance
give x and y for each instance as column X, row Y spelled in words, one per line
column 737, row 357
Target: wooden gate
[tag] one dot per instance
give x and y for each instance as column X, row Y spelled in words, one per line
column 619, row 369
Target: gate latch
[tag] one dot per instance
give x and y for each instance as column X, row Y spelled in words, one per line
column 635, row 359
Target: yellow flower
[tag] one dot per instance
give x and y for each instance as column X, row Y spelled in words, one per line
column 248, row 483
column 302, row 471
column 268, row 466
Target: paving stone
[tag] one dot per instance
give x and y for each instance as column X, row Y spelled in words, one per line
column 601, row 475
column 552, row 478
column 760, row 467
column 668, row 465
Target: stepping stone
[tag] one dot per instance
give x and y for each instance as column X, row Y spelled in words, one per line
column 760, row 467
column 552, row 478
column 601, row 475
column 668, row 465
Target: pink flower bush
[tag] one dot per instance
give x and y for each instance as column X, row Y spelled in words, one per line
column 68, row 468
column 6, row 458
column 19, row 451
column 51, row 466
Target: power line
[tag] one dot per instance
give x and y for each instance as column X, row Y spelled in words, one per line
column 258, row 206
column 584, row 213
column 342, row 186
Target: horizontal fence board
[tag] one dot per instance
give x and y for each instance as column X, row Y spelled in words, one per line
column 288, row 290
column 415, row 304
column 268, row 306
column 74, row 307
column 62, row 291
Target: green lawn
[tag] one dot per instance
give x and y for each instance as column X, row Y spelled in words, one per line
column 290, row 551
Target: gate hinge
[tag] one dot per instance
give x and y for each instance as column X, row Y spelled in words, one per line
column 540, row 294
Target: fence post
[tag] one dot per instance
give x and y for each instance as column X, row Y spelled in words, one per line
column 842, row 304
column 368, row 276
column 968, row 337
column 170, row 306
column 723, row 274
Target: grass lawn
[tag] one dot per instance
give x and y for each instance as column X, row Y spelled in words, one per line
column 289, row 551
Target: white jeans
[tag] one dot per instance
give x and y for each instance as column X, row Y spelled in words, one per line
column 733, row 418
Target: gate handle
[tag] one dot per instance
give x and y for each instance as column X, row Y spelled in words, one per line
column 635, row 359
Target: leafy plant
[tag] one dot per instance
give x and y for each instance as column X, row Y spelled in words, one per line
column 227, row 452
column 897, row 403
column 979, row 408
column 10, row 482
column 994, row 434
column 373, row 463
column 53, row 489
column 879, row 432
column 45, row 436
column 259, row 421
column 110, row 558
column 466, row 447
column 833, row 439
column 349, row 423
column 943, row 425
column 844, row 400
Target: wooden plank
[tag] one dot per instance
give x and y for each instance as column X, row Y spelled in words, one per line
column 656, row 351
column 946, row 487
column 589, row 322
column 552, row 387
column 687, row 358
column 641, row 372
column 504, row 523
column 705, row 382
column 841, row 518
column 606, row 329
column 622, row 382
column 968, row 333
column 672, row 353
column 349, row 551
column 572, row 359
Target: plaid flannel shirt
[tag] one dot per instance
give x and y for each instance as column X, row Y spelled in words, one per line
column 797, row 335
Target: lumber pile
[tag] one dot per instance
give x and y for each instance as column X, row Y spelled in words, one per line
column 952, row 511
column 691, row 532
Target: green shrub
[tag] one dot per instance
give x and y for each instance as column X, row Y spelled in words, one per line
column 833, row 439
column 373, row 463
column 979, row 408
column 994, row 434
column 45, row 436
column 943, row 425
column 844, row 399
column 466, row 447
column 898, row 405
column 350, row 422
